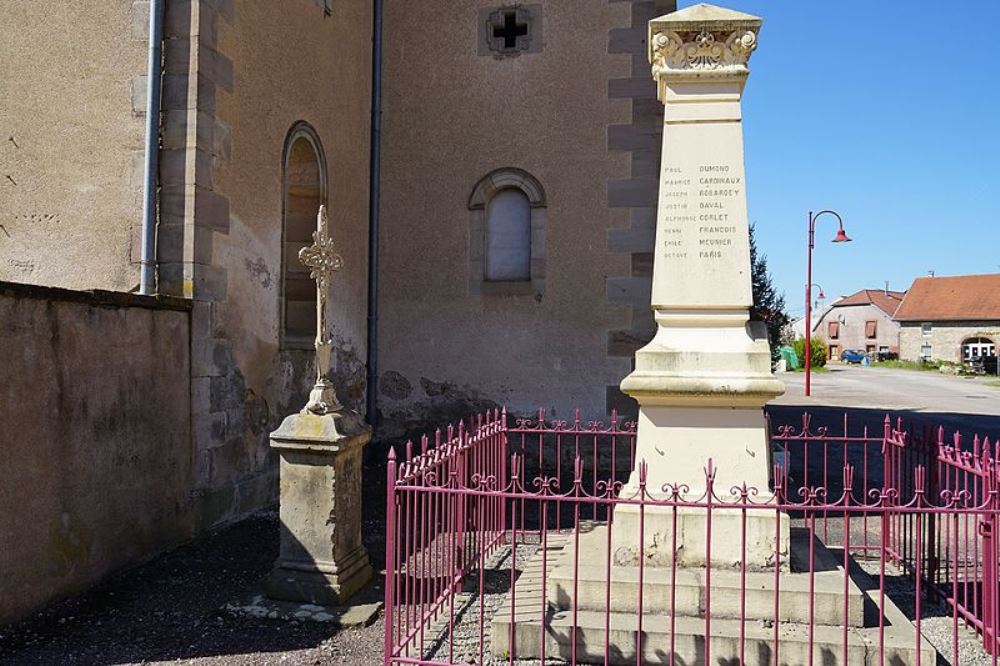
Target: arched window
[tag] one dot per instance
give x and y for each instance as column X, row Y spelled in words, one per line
column 974, row 349
column 303, row 193
column 507, row 234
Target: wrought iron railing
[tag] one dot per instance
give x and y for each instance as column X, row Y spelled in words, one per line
column 501, row 546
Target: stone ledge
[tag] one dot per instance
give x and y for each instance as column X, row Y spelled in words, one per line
column 97, row 297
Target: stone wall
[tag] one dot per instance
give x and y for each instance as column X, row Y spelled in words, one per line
column 575, row 110
column 71, row 149
column 945, row 338
column 95, row 454
column 261, row 68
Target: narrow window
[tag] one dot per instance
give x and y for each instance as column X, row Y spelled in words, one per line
column 833, row 329
column 926, row 351
column 508, row 236
column 304, row 192
column 871, row 329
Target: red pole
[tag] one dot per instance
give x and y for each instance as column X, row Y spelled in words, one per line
column 809, row 279
column 390, row 553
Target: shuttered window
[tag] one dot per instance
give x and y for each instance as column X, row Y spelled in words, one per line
column 871, row 329
column 508, row 236
column 833, row 330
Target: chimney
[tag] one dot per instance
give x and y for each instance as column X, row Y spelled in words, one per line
column 886, row 287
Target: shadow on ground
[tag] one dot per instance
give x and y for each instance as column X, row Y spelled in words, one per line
column 173, row 608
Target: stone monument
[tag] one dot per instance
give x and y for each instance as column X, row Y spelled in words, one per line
column 701, row 385
column 703, row 380
column 322, row 560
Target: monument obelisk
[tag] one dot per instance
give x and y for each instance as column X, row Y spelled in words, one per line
column 702, row 382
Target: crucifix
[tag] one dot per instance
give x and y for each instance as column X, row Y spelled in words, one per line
column 322, row 260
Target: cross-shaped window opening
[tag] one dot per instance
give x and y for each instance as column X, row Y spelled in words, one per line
column 510, row 30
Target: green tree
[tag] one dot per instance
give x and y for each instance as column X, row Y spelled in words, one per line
column 768, row 304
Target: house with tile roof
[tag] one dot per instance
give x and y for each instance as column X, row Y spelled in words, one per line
column 863, row 321
column 954, row 318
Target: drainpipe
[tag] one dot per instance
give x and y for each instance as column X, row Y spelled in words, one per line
column 147, row 262
column 374, row 195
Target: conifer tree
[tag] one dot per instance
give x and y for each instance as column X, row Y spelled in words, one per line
column 768, row 304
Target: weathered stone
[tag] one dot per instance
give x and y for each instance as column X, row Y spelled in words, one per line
column 322, row 559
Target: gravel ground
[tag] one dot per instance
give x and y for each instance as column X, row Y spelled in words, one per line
column 936, row 622
column 172, row 610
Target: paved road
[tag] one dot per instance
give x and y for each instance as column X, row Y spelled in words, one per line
column 970, row 405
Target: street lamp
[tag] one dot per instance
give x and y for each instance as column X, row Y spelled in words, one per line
column 821, row 296
column 841, row 237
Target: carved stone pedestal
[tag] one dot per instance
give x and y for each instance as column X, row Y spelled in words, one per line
column 322, row 559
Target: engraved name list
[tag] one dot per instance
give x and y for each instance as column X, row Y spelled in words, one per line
column 698, row 203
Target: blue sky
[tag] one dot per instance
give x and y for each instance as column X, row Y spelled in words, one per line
column 879, row 111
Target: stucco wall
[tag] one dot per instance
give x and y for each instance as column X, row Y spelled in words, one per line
column 452, row 116
column 71, row 151
column 95, row 454
column 274, row 64
column 945, row 338
column 852, row 328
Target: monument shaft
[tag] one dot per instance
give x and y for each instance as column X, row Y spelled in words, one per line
column 703, row 380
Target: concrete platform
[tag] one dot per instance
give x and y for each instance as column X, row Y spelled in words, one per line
column 690, row 639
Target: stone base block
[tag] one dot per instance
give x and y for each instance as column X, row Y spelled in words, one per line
column 323, row 584
column 684, row 591
column 767, row 534
column 597, row 635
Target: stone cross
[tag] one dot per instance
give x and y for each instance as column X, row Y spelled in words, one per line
column 322, row 260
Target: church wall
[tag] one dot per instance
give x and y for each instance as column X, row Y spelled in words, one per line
column 95, row 449
column 71, row 152
column 282, row 63
column 578, row 114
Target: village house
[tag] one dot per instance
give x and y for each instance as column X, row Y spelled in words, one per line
column 954, row 319
column 499, row 252
column 862, row 321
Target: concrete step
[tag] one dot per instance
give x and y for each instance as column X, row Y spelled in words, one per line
column 537, row 626
column 684, row 592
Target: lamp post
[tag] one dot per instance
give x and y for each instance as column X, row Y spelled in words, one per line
column 841, row 237
column 821, row 296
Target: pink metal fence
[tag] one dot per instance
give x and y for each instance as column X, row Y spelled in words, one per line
column 491, row 534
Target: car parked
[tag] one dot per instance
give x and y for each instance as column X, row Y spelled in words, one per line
column 852, row 356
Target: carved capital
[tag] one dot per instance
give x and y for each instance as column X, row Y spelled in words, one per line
column 706, row 51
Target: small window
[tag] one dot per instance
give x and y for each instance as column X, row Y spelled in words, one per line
column 871, row 329
column 304, row 192
column 926, row 351
column 926, row 329
column 508, row 236
column 833, row 329
column 510, row 31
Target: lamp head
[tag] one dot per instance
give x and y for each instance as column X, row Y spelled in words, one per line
column 841, row 236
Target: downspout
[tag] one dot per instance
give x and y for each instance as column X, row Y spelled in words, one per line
column 374, row 196
column 147, row 261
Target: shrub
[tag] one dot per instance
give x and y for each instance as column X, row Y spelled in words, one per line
column 818, row 352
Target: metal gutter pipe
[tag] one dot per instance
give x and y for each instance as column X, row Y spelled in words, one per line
column 147, row 261
column 374, row 197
